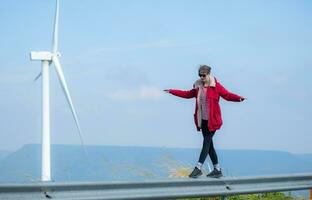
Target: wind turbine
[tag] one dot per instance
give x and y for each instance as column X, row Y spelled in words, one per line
column 47, row 59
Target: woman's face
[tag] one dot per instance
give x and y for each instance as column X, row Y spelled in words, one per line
column 203, row 74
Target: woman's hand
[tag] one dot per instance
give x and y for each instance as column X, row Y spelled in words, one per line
column 167, row 91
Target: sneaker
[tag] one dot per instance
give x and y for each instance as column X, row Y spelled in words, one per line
column 215, row 173
column 195, row 173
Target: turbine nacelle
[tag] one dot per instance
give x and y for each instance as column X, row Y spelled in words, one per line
column 43, row 55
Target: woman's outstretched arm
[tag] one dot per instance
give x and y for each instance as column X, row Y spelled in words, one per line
column 187, row 94
column 229, row 96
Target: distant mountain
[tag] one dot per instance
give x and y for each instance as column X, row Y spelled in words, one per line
column 307, row 158
column 255, row 162
column 111, row 163
column 4, row 153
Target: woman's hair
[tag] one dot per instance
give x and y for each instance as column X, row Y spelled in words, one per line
column 204, row 68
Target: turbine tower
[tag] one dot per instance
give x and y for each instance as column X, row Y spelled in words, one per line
column 47, row 59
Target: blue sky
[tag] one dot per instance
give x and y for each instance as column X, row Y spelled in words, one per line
column 118, row 56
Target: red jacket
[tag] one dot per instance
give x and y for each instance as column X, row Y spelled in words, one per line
column 214, row 91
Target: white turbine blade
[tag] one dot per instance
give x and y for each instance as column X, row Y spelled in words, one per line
column 55, row 32
column 38, row 76
column 61, row 77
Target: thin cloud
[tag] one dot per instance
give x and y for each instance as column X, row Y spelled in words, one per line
column 141, row 93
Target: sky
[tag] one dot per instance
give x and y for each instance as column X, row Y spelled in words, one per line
column 118, row 56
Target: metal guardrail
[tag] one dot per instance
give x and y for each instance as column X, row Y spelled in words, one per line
column 167, row 189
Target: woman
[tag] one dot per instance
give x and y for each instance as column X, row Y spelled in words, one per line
column 207, row 91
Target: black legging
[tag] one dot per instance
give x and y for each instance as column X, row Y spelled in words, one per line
column 207, row 145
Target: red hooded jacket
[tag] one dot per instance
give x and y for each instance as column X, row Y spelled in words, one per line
column 214, row 91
